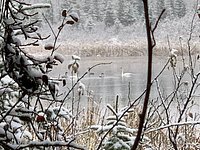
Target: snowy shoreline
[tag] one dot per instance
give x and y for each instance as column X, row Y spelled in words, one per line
column 101, row 49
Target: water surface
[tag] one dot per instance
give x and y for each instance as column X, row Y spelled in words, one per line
column 105, row 82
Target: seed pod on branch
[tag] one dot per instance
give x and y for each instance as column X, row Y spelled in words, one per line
column 48, row 47
column 74, row 67
column 64, row 82
column 198, row 11
column 74, row 16
column 64, row 13
column 71, row 22
column 59, row 57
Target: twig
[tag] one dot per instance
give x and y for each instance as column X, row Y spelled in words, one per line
column 8, row 112
column 156, row 25
column 49, row 25
column 131, row 105
column 174, row 124
column 47, row 144
column 72, row 88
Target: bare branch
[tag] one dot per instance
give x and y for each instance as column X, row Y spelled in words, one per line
column 174, row 124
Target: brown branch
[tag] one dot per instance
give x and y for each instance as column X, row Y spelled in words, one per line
column 156, row 25
column 173, row 124
column 149, row 75
column 151, row 44
column 131, row 105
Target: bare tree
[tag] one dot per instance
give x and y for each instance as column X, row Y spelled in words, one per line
column 151, row 45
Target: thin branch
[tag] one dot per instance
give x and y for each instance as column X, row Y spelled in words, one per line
column 159, row 18
column 49, row 25
column 47, row 143
column 8, row 112
column 72, row 88
column 131, row 105
column 174, row 124
column 155, row 26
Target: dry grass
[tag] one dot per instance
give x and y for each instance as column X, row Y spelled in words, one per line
column 112, row 50
column 159, row 138
column 93, row 114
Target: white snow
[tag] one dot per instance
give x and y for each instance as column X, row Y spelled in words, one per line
column 75, row 57
column 63, row 112
column 173, row 52
column 36, row 6
column 35, row 73
column 9, row 21
column 15, row 125
column 5, row 90
column 16, row 41
column 47, row 143
column 59, row 57
column 117, row 145
column 10, row 48
column 74, row 16
column 50, row 59
column 81, row 88
column 7, row 80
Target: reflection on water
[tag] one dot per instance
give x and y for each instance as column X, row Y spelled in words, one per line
column 106, row 81
column 108, row 87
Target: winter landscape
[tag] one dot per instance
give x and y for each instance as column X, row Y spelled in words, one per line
column 99, row 75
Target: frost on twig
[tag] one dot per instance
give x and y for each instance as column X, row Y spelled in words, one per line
column 48, row 143
column 173, row 57
column 36, row 6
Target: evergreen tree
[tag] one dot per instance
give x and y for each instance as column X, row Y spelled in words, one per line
column 86, row 6
column 65, row 5
column 126, row 13
column 110, row 15
column 160, row 5
column 120, row 11
column 96, row 10
column 180, row 8
column 140, row 9
column 84, row 11
column 102, row 10
column 135, row 10
column 169, row 5
column 130, row 12
column 130, row 17
column 152, row 15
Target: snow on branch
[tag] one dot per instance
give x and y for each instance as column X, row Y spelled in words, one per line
column 47, row 143
column 36, row 6
column 174, row 124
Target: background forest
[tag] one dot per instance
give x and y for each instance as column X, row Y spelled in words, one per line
column 119, row 22
column 40, row 110
column 118, row 12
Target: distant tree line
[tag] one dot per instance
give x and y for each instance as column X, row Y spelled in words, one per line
column 117, row 12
